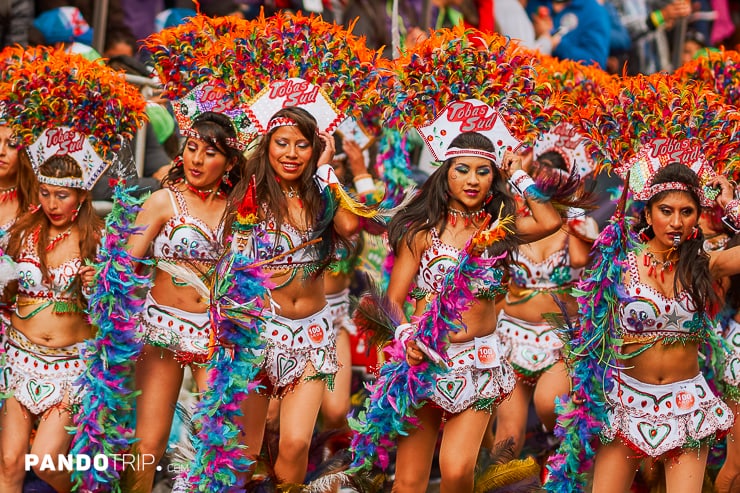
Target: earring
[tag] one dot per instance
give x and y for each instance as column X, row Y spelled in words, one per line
column 76, row 212
column 646, row 233
column 489, row 198
column 227, row 180
column 694, row 233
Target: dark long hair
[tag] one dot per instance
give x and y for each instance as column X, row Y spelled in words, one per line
column 89, row 224
column 430, row 207
column 214, row 129
column 692, row 268
column 269, row 193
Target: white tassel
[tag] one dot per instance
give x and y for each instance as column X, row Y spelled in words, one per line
column 186, row 275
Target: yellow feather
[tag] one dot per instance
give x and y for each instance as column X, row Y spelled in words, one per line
column 500, row 475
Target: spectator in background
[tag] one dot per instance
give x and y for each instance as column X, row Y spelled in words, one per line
column 139, row 16
column 619, row 40
column 16, row 18
column 477, row 14
column 374, row 22
column 119, row 43
column 115, row 22
column 581, row 29
column 514, row 22
column 647, row 22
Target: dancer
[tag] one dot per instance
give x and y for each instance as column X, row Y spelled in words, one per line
column 543, row 272
column 52, row 247
column 181, row 222
column 298, row 228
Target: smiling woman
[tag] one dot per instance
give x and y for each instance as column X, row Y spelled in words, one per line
column 298, row 225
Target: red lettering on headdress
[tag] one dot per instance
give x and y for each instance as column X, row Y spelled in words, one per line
column 472, row 117
column 568, row 136
column 683, row 151
column 296, row 93
column 68, row 141
column 216, row 95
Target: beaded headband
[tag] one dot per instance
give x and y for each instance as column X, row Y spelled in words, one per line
column 233, row 143
column 653, row 190
column 280, row 121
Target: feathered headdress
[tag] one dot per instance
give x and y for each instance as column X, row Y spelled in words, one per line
column 287, row 46
column 69, row 105
column 719, row 70
column 293, row 92
column 571, row 144
column 660, row 152
column 578, row 85
column 629, row 115
column 469, row 115
column 186, row 57
column 458, row 64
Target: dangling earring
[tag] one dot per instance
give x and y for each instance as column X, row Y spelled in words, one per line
column 694, row 233
column 646, row 233
column 76, row 212
column 227, row 180
column 489, row 198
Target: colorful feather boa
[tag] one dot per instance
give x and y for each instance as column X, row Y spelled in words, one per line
column 232, row 370
column 401, row 389
column 104, row 422
column 239, row 286
column 591, row 354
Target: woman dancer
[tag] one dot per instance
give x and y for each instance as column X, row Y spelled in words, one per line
column 542, row 271
column 43, row 350
column 429, row 238
column 181, row 222
column 300, row 355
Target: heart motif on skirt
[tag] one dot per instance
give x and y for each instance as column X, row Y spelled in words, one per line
column 285, row 364
column 654, row 435
column 40, row 391
column 450, row 388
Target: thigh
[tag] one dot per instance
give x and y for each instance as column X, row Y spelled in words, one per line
column 158, row 377
column 685, row 473
column 416, row 450
column 16, row 425
column 52, row 437
column 552, row 384
column 252, row 422
column 615, row 468
column 511, row 414
column 462, row 438
column 299, row 409
column 338, row 399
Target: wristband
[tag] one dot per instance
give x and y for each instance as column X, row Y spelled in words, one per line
column 364, row 183
column 404, row 332
column 656, row 17
column 732, row 215
column 325, row 176
column 520, row 181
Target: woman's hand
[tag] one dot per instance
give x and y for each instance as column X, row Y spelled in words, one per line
column 510, row 163
column 727, row 190
column 327, row 155
column 414, row 355
column 355, row 159
column 87, row 275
